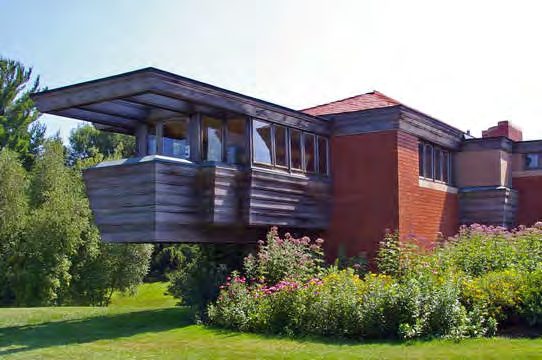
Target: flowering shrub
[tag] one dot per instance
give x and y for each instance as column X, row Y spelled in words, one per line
column 465, row 287
column 285, row 258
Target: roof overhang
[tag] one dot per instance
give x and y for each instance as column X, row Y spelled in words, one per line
column 120, row 103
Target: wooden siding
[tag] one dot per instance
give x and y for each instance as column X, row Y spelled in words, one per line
column 488, row 205
column 143, row 202
column 153, row 199
column 297, row 201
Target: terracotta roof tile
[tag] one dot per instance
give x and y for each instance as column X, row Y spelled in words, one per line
column 366, row 101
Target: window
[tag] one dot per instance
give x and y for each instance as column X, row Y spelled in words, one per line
column 446, row 168
column 236, row 141
column 281, row 156
column 309, row 149
column 438, row 164
column 295, row 149
column 434, row 163
column 212, row 138
column 261, row 142
column 175, row 141
column 151, row 144
column 322, row 155
column 533, row 161
column 283, row 147
column 428, row 161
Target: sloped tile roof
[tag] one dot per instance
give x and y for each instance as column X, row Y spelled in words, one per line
column 366, row 101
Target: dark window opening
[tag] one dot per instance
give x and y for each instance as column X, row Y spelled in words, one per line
column 322, row 155
column 309, row 150
column 281, row 155
column 533, row 161
column 236, row 141
column 295, row 149
column 434, row 163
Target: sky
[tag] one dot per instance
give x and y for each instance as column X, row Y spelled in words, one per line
column 468, row 63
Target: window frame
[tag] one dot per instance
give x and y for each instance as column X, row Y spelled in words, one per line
column 223, row 134
column 539, row 161
column 288, row 137
column 435, row 168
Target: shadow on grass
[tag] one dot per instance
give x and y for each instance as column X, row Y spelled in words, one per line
column 30, row 337
column 329, row 340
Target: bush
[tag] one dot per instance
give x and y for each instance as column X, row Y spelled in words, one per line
column 463, row 288
column 202, row 268
column 286, row 258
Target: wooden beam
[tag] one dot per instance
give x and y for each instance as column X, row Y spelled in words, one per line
column 94, row 117
column 115, row 108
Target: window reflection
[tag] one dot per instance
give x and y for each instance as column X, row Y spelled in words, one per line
column 280, row 146
column 308, row 142
column 295, row 148
column 212, row 139
column 236, row 141
column 428, row 161
column 322, row 155
column 532, row 161
column 261, row 142
column 175, row 142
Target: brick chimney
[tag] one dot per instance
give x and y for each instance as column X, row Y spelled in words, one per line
column 504, row 128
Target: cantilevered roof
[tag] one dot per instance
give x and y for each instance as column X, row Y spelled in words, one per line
column 121, row 102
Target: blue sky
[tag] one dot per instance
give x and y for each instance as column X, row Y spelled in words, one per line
column 469, row 63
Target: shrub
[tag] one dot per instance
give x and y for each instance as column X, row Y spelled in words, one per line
column 465, row 287
column 531, row 298
column 202, row 268
column 281, row 258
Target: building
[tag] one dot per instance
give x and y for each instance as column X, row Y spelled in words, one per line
column 217, row 166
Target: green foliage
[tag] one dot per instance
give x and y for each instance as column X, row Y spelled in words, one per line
column 87, row 142
column 482, row 278
column 13, row 216
column 287, row 258
column 17, row 111
column 201, row 270
column 51, row 250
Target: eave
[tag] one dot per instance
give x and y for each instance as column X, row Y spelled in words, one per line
column 121, row 102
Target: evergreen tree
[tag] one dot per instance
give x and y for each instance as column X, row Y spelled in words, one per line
column 17, row 111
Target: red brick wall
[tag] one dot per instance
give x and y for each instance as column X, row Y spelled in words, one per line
column 529, row 199
column 423, row 212
column 365, row 199
column 376, row 187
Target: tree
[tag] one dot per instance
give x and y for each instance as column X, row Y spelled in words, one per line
column 13, row 214
column 59, row 218
column 88, row 142
column 17, row 110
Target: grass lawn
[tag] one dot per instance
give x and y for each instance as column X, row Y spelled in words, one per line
column 149, row 326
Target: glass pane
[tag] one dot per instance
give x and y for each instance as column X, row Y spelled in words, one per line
column 151, row 144
column 420, row 158
column 295, row 148
column 322, row 155
column 531, row 161
column 280, row 146
column 438, row 164
column 175, row 141
column 309, row 152
column 446, row 167
column 428, row 161
column 212, row 138
column 261, row 141
column 236, row 141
